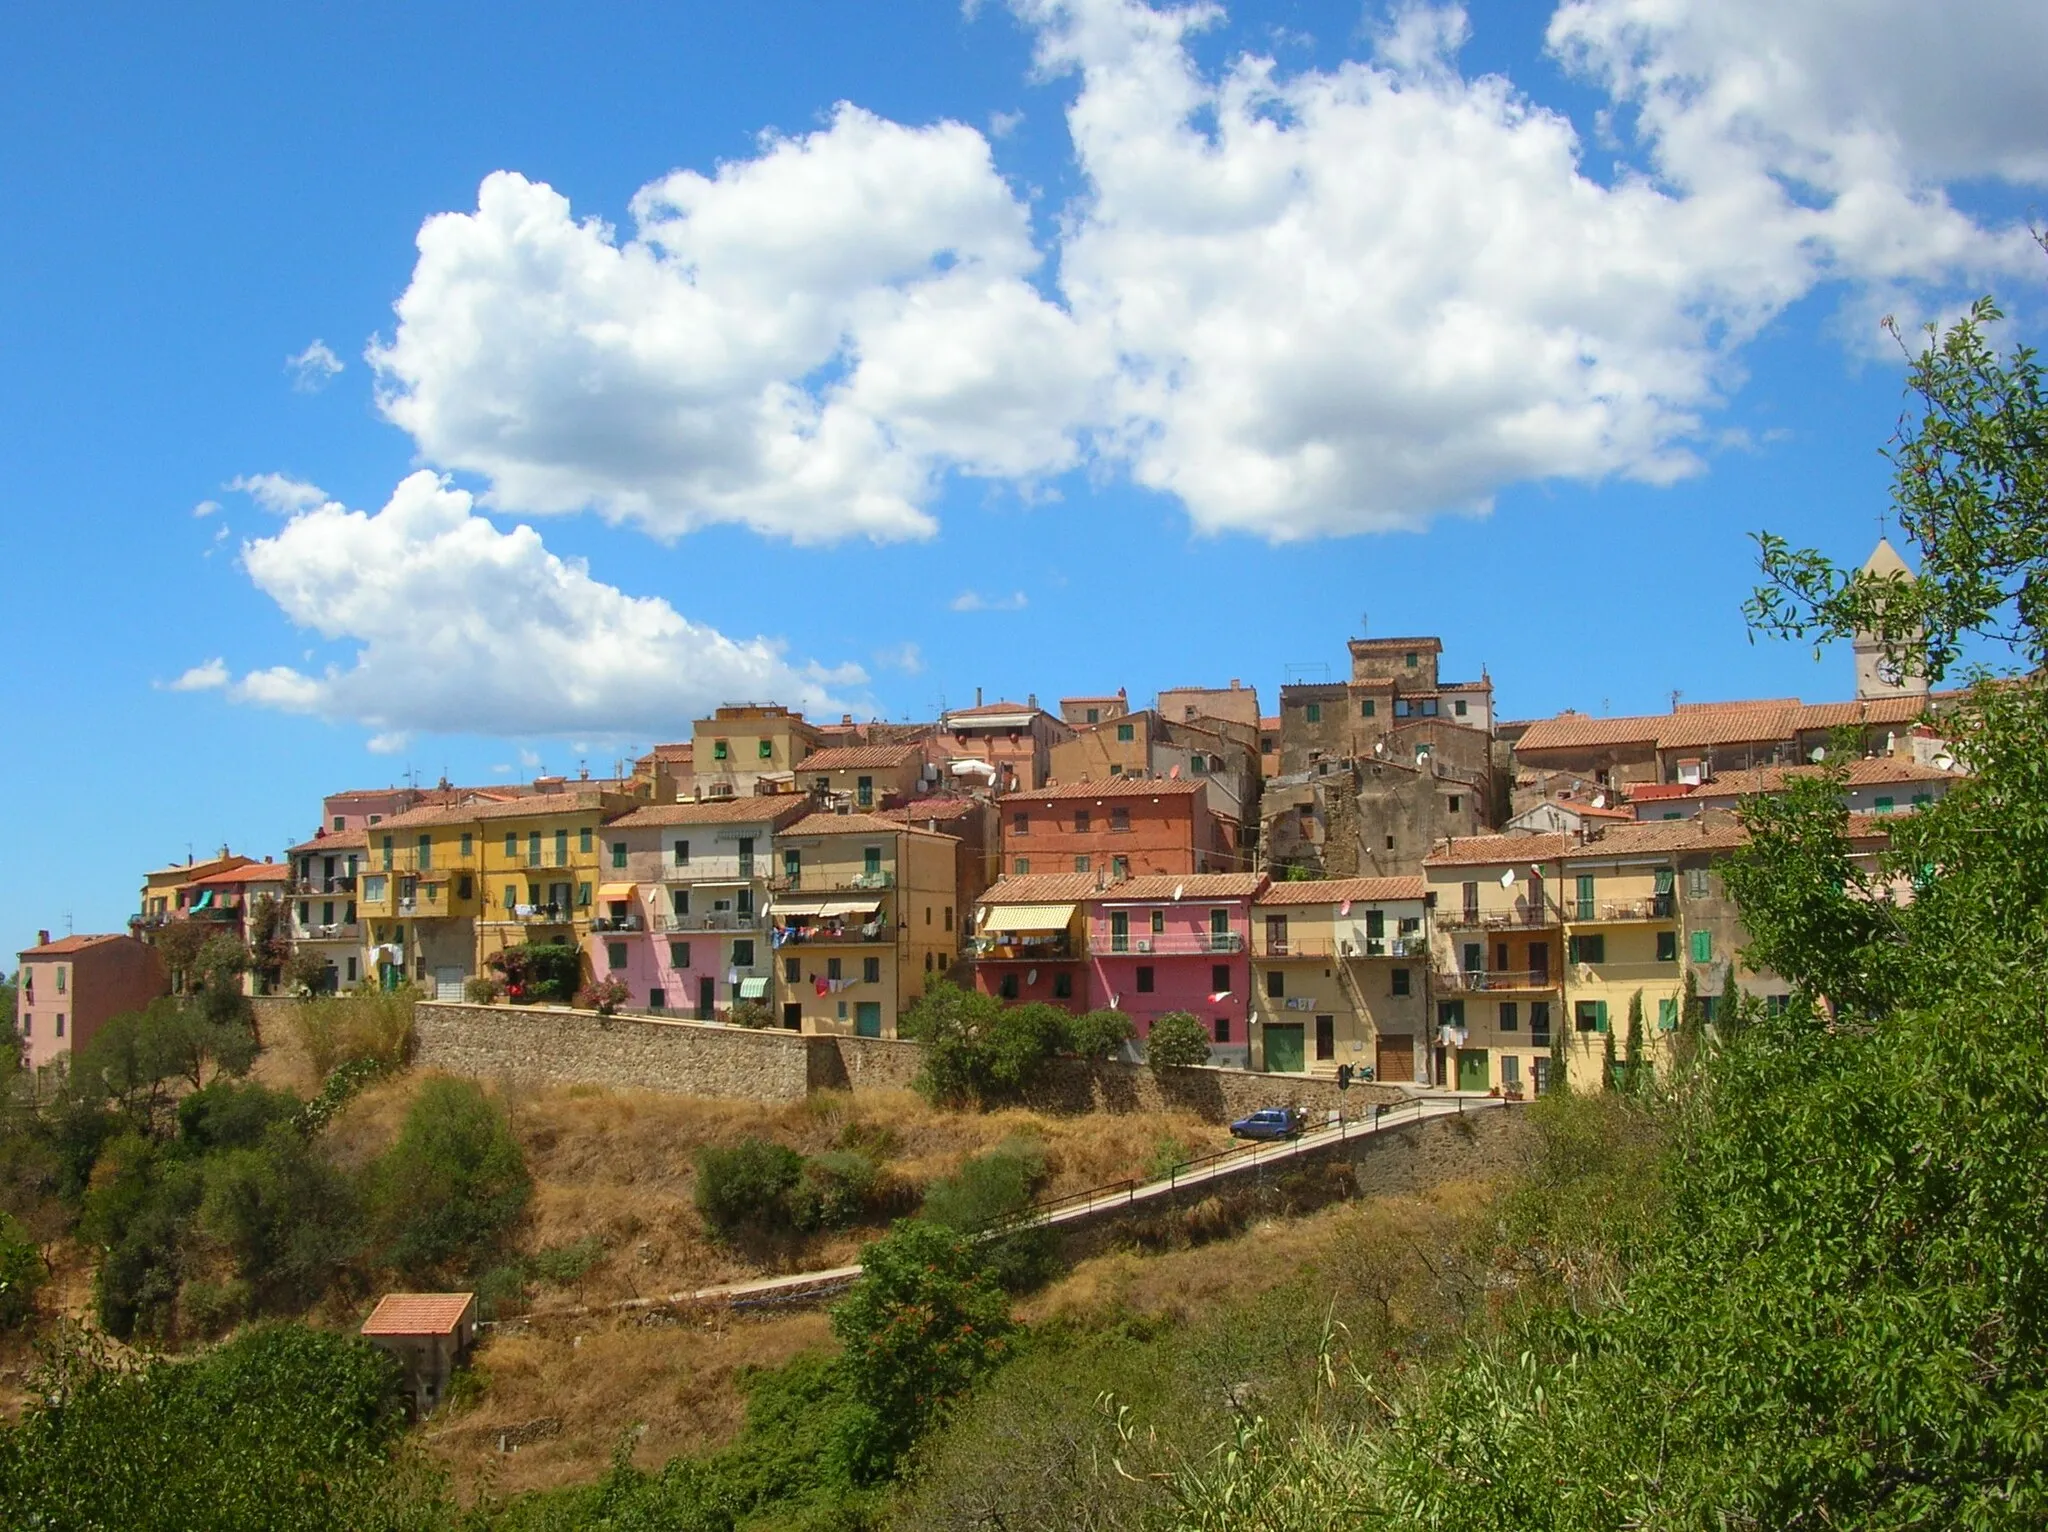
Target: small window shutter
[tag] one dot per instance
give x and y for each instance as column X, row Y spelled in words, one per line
column 1702, row 946
column 1667, row 1015
column 1600, row 1015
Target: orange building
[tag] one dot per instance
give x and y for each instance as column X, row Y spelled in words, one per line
column 1119, row 828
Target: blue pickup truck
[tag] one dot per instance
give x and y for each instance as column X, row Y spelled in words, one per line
column 1269, row 1122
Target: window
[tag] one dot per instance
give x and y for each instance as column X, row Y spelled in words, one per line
column 1116, row 768
column 582, row 895
column 743, row 952
column 657, row 1000
column 1119, row 930
column 1313, row 712
column 387, row 853
column 1222, row 1029
column 1119, row 820
column 1667, row 946
column 1475, row 957
column 1590, row 1015
column 1219, row 978
column 927, row 914
column 1119, row 867
column 340, row 822
column 1539, row 1023
column 1145, row 985
column 1457, row 802
column 1007, row 988
column 1703, row 946
column 1585, row 896
column 792, row 868
column 1276, row 984
column 351, row 970
column 1063, row 986
column 63, row 974
column 511, row 845
column 1400, row 981
column 1219, row 927
column 1020, row 824
column 864, row 791
column 871, row 864
column 1510, row 1016
column 1429, row 707
column 1368, row 708
column 679, row 954
column 1885, row 805
column 1401, row 707
column 1695, row 882
column 871, row 970
column 718, row 750
column 533, row 848
column 1125, row 733
column 618, row 853
column 583, row 839
column 1095, row 715
column 1450, row 1013
column 832, row 969
column 1469, row 894
column 1667, row 1014
column 1458, row 708
column 1586, row 949
column 1081, row 821
column 1080, row 864
column 468, row 844
column 1409, row 660
column 679, row 901
column 1021, row 866
column 767, row 750
column 615, row 954
column 792, row 970
column 1921, row 800
column 562, row 846
column 60, row 1023
column 511, row 895
column 1198, row 765
column 1158, row 922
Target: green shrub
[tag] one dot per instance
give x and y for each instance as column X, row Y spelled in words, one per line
column 446, row 1196
column 286, row 1217
column 484, row 990
column 231, row 1115
column 976, row 1049
column 987, row 1189
column 1098, row 1034
column 839, row 1188
column 604, row 996
column 562, row 1265
column 1177, row 1040
column 539, row 971
column 22, row 1273
column 752, row 1014
column 746, row 1185
column 368, row 1024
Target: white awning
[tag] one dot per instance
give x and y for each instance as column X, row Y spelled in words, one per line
column 803, row 906
column 859, row 904
column 1027, row 917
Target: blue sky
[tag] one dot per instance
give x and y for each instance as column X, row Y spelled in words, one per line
column 1154, row 368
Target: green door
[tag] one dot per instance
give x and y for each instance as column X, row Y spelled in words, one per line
column 1472, row 1069
column 867, row 1018
column 1284, row 1051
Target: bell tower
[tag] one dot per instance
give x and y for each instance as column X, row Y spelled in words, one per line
column 1875, row 675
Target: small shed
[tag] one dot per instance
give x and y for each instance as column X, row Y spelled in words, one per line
column 430, row 1334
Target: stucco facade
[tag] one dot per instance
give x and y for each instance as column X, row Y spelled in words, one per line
column 1339, row 976
column 66, row 990
column 1118, row 828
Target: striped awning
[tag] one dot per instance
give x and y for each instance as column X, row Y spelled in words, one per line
column 1027, row 917
column 616, row 890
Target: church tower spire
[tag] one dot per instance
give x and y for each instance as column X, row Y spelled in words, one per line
column 1876, row 676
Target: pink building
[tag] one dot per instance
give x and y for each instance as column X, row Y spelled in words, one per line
column 682, row 916
column 1175, row 943
column 68, row 989
column 1006, row 745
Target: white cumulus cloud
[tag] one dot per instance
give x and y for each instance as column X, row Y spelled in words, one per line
column 798, row 343
column 208, row 676
column 279, row 493
column 974, row 601
column 313, row 368
column 205, row 508
column 457, row 626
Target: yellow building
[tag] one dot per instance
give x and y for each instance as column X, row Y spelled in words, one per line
column 748, row 748
column 1344, row 961
column 1624, row 941
column 163, row 891
column 863, row 777
column 863, row 918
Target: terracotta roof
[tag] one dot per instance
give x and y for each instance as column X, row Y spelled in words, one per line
column 525, row 806
column 1594, row 811
column 1109, row 787
column 194, row 869
column 772, row 808
column 1105, row 697
column 856, row 824
column 333, row 840
column 848, row 757
column 933, row 808
column 1500, row 850
column 1863, row 772
column 252, row 872
column 1337, row 890
column 1731, row 724
column 1192, row 885
column 990, row 708
column 1702, row 833
column 683, row 750
column 1396, row 643
column 418, row 1313
column 1697, row 724
column 1834, row 715
column 64, row 946
column 1041, row 888
column 1871, row 826
column 1650, row 792
column 1571, row 731
column 1272, row 723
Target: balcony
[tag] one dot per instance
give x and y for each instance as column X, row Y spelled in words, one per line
column 543, row 915
column 1053, row 947
column 1620, row 911
column 1176, row 943
column 717, row 920
column 1526, row 917
column 336, row 931
column 827, row 880
column 825, row 936
column 313, row 887
column 618, row 924
column 1481, row 980
column 148, row 922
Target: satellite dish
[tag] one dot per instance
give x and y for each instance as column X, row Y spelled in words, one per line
column 1031, row 976
column 1177, row 889
column 1507, row 879
column 1820, row 753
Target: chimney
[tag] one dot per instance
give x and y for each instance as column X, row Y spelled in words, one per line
column 977, row 696
column 1233, row 683
column 42, row 938
column 1031, row 699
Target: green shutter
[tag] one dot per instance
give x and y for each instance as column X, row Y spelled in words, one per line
column 1667, row 1015
column 1600, row 1015
column 1702, row 946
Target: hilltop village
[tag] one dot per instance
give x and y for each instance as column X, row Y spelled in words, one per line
column 1383, row 874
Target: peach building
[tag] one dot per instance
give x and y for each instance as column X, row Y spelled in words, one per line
column 66, row 990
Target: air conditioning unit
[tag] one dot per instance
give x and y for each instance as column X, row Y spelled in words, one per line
column 1344, row 949
column 1144, row 946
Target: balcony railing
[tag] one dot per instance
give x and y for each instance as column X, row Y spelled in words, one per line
column 543, row 914
column 1018, row 949
column 334, row 931
column 303, row 887
column 1522, row 917
column 1616, row 911
column 618, row 924
column 817, row 936
column 716, row 920
column 1174, row 943
column 1500, row 979
column 825, row 881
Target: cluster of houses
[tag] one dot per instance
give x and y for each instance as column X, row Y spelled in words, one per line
column 1382, row 874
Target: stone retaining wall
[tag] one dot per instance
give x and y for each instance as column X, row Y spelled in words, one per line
column 697, row 1058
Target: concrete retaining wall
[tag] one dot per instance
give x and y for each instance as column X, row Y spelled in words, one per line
column 697, row 1058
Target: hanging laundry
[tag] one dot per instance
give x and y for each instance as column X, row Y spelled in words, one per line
column 824, row 985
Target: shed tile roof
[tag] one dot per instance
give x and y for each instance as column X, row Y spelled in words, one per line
column 1337, row 890
column 857, row 824
column 418, row 1313
column 1192, row 885
column 250, row 872
column 990, row 709
column 1110, row 787
column 851, row 757
column 1698, row 724
column 1041, row 888
column 1863, row 772
column 1705, row 832
column 1499, row 850
column 1651, row 792
column 934, row 808
column 333, row 840
column 768, row 808
column 64, row 946
column 525, row 806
